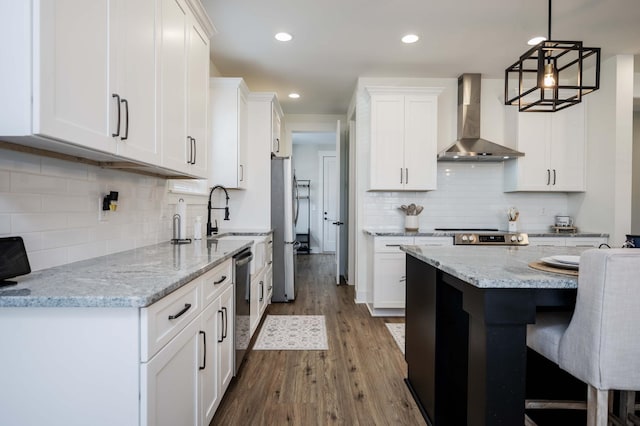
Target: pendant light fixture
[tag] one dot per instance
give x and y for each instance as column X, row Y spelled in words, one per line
column 552, row 75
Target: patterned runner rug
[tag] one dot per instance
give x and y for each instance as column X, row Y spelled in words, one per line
column 293, row 332
column 397, row 331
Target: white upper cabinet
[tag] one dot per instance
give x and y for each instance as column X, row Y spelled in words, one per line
column 86, row 80
column 184, row 71
column 554, row 145
column 277, row 144
column 134, row 55
column 72, row 82
column 403, row 138
column 229, row 126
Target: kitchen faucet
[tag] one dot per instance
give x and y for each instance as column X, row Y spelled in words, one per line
column 214, row 229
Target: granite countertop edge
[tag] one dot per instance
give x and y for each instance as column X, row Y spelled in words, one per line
column 130, row 279
column 433, row 233
column 496, row 267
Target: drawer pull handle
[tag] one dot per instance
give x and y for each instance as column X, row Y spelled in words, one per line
column 222, row 336
column 392, row 245
column 179, row 314
column 224, row 277
column 204, row 345
column 225, row 316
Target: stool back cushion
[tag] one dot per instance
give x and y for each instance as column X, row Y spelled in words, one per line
column 602, row 343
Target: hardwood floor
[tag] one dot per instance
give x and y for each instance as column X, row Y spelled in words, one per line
column 358, row 381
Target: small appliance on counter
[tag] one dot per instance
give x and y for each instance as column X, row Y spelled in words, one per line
column 564, row 224
column 13, row 260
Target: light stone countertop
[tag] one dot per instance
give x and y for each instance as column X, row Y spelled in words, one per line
column 496, row 267
column 134, row 278
column 433, row 233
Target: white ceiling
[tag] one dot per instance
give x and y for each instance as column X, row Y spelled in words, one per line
column 337, row 41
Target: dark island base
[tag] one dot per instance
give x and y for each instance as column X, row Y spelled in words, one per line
column 466, row 346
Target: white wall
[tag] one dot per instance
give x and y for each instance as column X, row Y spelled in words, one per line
column 306, row 164
column 53, row 205
column 635, row 207
column 606, row 206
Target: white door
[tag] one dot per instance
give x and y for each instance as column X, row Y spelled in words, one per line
column 329, row 203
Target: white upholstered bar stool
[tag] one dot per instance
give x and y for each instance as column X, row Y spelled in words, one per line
column 600, row 343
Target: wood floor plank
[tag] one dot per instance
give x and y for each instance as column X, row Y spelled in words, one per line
column 358, row 381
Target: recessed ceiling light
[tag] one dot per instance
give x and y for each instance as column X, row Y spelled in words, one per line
column 536, row 40
column 283, row 37
column 294, row 95
column 410, row 38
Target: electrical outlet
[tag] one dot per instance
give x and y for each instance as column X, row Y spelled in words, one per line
column 102, row 214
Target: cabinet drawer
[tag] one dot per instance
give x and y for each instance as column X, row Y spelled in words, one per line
column 163, row 320
column 215, row 281
column 391, row 244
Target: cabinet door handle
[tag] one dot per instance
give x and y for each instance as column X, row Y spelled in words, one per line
column 204, row 345
column 225, row 318
column 548, row 177
column 241, row 172
column 406, row 176
column 277, row 144
column 179, row 314
column 190, row 149
column 261, row 290
column 126, row 115
column 221, row 338
column 117, row 133
column 220, row 281
column 554, row 177
column 193, row 151
column 400, row 174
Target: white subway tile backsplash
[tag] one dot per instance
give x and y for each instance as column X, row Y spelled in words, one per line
column 30, row 222
column 26, row 183
column 66, row 203
column 5, row 224
column 48, row 258
column 19, row 162
column 54, row 205
column 468, row 195
column 5, row 180
column 14, row 203
column 64, row 238
column 69, row 169
column 87, row 251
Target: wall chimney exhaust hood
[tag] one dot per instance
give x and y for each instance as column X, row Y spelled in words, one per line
column 469, row 146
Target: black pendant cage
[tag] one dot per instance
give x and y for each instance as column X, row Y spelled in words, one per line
column 576, row 70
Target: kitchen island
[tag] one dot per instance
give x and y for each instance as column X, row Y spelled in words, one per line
column 466, row 316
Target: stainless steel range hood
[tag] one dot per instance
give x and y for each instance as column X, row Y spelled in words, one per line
column 470, row 146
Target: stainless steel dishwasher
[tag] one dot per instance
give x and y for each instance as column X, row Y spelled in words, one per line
column 242, row 263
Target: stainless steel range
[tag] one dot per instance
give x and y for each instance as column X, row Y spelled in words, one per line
column 491, row 239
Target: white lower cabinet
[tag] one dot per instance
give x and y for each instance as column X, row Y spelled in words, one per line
column 389, row 276
column 184, row 382
column 170, row 381
column 568, row 241
column 216, row 371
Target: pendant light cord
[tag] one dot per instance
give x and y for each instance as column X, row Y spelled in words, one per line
column 549, row 31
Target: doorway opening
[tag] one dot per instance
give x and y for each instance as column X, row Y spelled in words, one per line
column 317, row 162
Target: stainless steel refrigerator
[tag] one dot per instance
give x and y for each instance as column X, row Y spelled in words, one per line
column 283, row 213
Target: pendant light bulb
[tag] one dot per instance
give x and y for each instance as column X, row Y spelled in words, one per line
column 549, row 76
